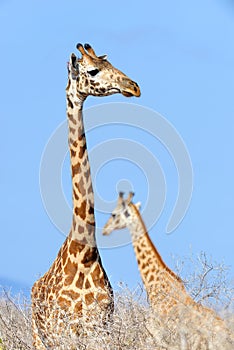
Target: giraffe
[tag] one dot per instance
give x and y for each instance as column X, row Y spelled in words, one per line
column 76, row 286
column 165, row 289
column 155, row 274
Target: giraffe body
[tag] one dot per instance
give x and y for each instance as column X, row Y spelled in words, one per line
column 76, row 288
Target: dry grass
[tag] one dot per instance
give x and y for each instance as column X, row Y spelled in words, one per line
column 15, row 322
column 135, row 325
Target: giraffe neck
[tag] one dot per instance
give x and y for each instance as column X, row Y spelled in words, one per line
column 83, row 227
column 156, row 275
column 78, row 266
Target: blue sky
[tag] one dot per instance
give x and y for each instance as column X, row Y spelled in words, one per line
column 182, row 56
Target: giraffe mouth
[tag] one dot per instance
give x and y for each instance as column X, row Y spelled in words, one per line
column 123, row 92
column 127, row 94
column 113, row 91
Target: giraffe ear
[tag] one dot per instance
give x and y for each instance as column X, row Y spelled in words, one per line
column 138, row 205
column 73, row 66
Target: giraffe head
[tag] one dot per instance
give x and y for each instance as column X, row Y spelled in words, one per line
column 123, row 216
column 94, row 75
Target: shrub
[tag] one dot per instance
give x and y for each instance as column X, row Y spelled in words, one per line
column 135, row 325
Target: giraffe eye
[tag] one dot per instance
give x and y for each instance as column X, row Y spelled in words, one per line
column 113, row 216
column 93, row 72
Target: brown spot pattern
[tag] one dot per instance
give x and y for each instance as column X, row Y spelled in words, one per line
column 73, row 223
column 64, row 256
column 91, row 210
column 78, row 308
column 80, row 135
column 80, row 281
column 75, row 247
column 89, row 298
column 70, row 116
column 96, row 277
column 82, row 150
column 101, row 297
column 58, row 279
column 68, row 280
column 75, row 169
column 72, row 130
column 71, row 294
column 87, row 175
column 64, row 303
column 81, row 211
column 75, row 195
column 81, row 187
column 151, row 278
column 70, row 270
column 73, row 153
column 90, row 257
column 68, row 84
column 90, row 189
column 80, row 229
column 69, row 102
column 87, row 284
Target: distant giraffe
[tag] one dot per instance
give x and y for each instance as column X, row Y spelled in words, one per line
column 76, row 285
column 165, row 290
column 155, row 274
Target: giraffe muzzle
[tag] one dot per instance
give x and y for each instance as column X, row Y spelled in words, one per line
column 131, row 89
